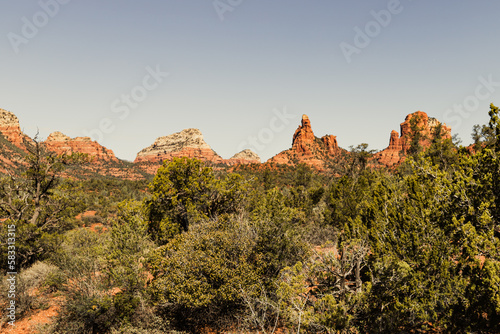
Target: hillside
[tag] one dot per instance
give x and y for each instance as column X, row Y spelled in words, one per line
column 320, row 243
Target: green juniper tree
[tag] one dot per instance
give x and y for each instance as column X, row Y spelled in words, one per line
column 35, row 203
column 184, row 191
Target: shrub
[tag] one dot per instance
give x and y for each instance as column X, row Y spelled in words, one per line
column 29, row 284
column 185, row 192
column 88, row 306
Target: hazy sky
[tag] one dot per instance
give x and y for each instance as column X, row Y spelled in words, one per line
column 244, row 71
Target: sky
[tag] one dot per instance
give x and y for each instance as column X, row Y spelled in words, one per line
column 244, row 71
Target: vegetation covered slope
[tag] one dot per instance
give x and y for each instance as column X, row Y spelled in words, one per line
column 360, row 250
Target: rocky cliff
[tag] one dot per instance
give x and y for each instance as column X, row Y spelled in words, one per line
column 11, row 130
column 244, row 157
column 187, row 143
column 61, row 144
column 307, row 148
column 400, row 144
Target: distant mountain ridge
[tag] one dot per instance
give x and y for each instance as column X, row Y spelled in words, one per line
column 306, row 148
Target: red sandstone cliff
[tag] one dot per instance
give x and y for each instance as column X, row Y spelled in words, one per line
column 187, row 143
column 11, row 130
column 56, row 142
column 61, row 144
column 12, row 143
column 399, row 145
column 307, row 148
column 13, row 152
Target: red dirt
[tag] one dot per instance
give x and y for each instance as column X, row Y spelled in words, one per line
column 29, row 323
column 86, row 214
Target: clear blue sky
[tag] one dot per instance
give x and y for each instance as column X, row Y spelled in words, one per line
column 232, row 68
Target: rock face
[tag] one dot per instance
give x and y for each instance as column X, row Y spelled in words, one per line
column 307, row 148
column 399, row 145
column 303, row 138
column 426, row 125
column 13, row 151
column 244, row 157
column 61, row 144
column 330, row 143
column 10, row 129
column 187, row 143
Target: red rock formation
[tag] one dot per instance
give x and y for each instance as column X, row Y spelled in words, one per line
column 13, row 152
column 10, row 129
column 331, row 145
column 426, row 126
column 303, row 137
column 242, row 158
column 392, row 154
column 399, row 146
column 308, row 149
column 61, row 144
column 187, row 143
column 394, row 142
column 202, row 154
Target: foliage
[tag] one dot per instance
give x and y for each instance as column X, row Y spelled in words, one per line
column 200, row 273
column 442, row 151
column 415, row 249
column 106, row 277
column 417, row 135
column 184, row 192
column 221, row 264
column 494, row 125
column 26, row 283
column 88, row 299
column 128, row 247
column 35, row 205
column 277, row 228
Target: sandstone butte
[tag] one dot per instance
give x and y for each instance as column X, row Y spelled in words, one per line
column 307, row 148
column 10, row 129
column 399, row 144
column 189, row 143
column 56, row 142
column 244, row 157
column 61, row 144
